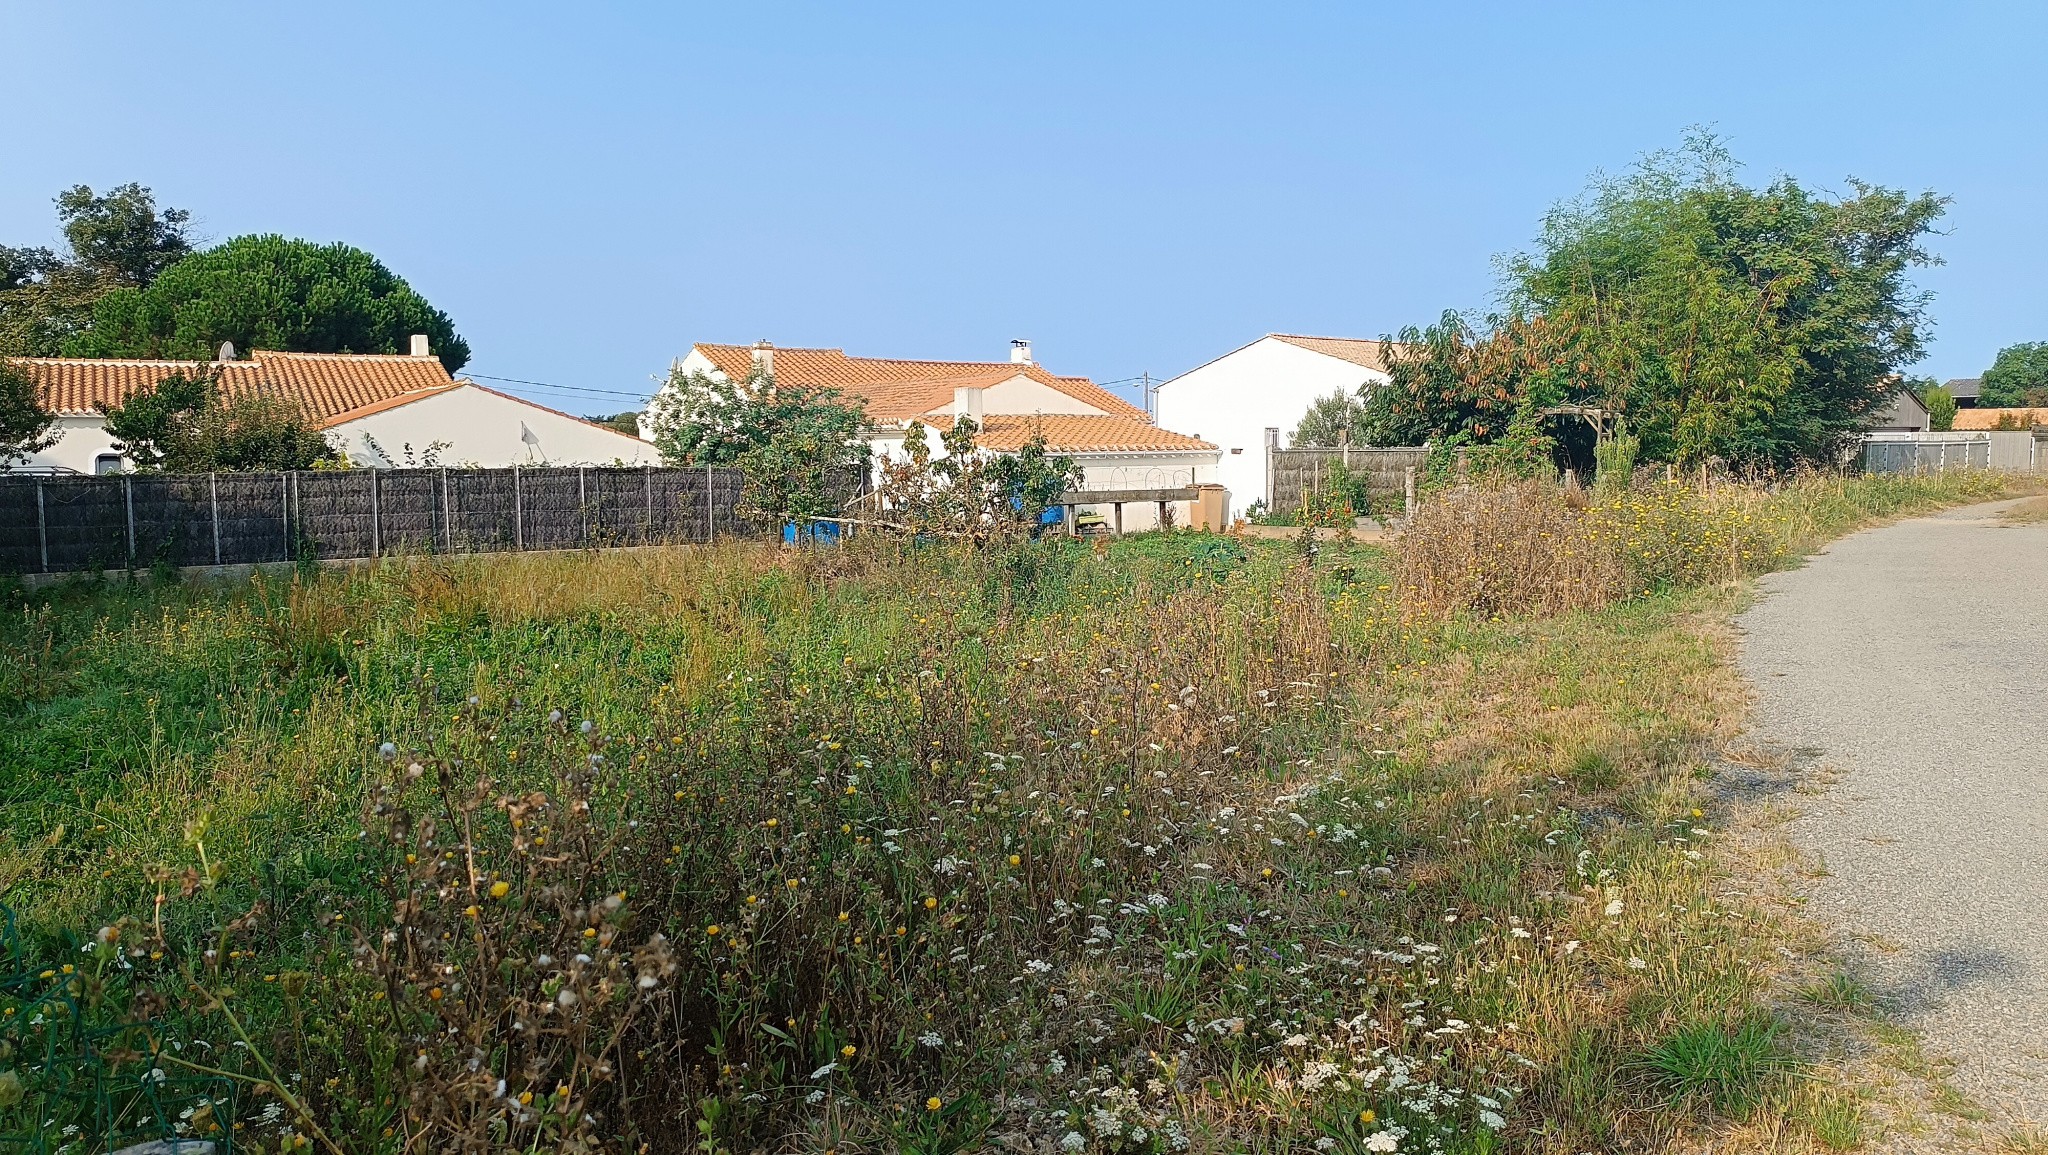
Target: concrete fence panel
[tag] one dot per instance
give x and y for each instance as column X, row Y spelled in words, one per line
column 83, row 524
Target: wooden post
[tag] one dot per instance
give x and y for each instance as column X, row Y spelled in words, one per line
column 42, row 528
column 1161, row 524
column 376, row 518
column 518, row 522
column 128, row 496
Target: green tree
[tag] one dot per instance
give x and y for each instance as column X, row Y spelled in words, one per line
column 1940, row 403
column 1332, row 420
column 117, row 240
column 25, row 426
column 268, row 292
column 1759, row 325
column 184, row 425
column 2018, row 378
column 796, row 444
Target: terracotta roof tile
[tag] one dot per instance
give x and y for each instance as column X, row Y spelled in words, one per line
column 890, row 384
column 1078, row 433
column 1981, row 419
column 1371, row 354
column 327, row 384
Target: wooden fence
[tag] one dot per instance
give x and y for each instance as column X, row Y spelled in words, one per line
column 74, row 524
column 1291, row 473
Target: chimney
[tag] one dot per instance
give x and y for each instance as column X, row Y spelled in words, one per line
column 764, row 357
column 1020, row 353
column 967, row 402
column 419, row 345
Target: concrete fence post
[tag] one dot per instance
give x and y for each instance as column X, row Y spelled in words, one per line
column 284, row 511
column 647, row 525
column 1408, row 492
column 376, row 518
column 582, row 509
column 213, row 499
column 42, row 528
column 518, row 520
column 710, row 508
column 128, row 498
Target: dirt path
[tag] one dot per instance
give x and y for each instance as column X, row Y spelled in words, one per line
column 1912, row 661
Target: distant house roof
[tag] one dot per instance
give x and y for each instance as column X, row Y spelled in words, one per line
column 1964, row 388
column 329, row 385
column 1370, row 354
column 1975, row 419
column 1077, row 433
column 895, row 389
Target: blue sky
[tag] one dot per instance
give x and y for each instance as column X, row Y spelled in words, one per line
column 590, row 188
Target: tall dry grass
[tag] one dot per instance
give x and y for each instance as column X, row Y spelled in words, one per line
column 1531, row 547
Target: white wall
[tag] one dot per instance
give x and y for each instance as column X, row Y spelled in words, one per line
column 1149, row 471
column 1231, row 400
column 484, row 428
column 1020, row 395
column 82, row 441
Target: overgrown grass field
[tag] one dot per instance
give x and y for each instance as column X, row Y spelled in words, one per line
column 1172, row 843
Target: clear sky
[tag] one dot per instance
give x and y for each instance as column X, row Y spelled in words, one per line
column 588, row 188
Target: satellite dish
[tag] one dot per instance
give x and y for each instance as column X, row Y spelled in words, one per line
column 227, row 351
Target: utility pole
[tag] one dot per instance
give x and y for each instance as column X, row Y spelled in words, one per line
column 1151, row 414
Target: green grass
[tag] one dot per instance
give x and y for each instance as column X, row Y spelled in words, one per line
column 1160, row 830
column 1731, row 1067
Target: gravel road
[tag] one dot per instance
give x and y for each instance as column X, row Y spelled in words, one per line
column 1913, row 661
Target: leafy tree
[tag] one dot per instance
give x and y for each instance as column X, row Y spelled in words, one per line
column 969, row 492
column 795, row 443
column 1759, row 325
column 184, row 425
column 121, row 237
column 2019, row 377
column 1331, row 420
column 119, row 240
column 1940, row 403
column 25, row 426
column 268, row 292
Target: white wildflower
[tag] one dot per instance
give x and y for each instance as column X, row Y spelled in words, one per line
column 1383, row 1141
column 1614, row 908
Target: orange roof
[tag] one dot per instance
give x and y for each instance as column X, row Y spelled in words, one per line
column 1371, row 354
column 1974, row 419
column 327, row 384
column 894, row 388
column 1078, row 433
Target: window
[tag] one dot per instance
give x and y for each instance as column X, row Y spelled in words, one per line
column 107, row 463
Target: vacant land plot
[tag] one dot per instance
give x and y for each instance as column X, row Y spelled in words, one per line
column 1180, row 843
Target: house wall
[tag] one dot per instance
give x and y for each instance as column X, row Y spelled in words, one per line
column 1022, row 395
column 1233, row 399
column 484, row 428
column 1150, row 471
column 81, row 442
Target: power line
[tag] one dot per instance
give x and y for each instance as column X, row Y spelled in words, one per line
column 562, row 388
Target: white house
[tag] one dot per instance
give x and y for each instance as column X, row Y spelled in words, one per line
column 1268, row 384
column 382, row 410
column 1114, row 443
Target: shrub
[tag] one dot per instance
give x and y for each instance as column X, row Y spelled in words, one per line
column 1519, row 548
